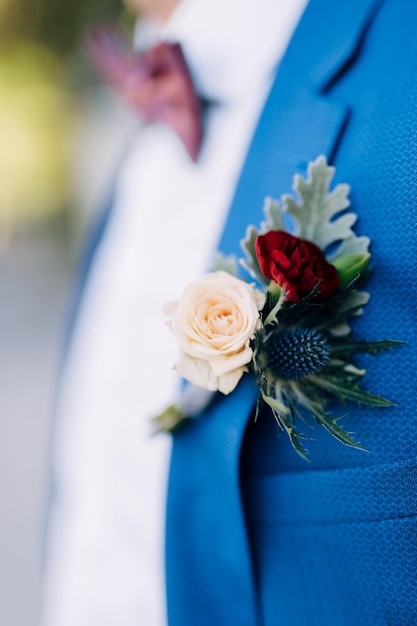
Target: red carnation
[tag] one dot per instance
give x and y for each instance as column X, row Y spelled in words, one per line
column 296, row 264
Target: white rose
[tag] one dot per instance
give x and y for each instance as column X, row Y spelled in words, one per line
column 213, row 322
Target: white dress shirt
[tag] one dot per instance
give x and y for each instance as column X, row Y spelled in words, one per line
column 105, row 557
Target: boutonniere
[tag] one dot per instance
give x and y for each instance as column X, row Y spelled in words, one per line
column 291, row 327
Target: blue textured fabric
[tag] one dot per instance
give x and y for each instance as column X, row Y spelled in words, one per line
column 255, row 535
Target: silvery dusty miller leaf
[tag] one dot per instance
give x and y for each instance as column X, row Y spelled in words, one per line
column 312, row 215
column 225, row 263
column 317, row 206
column 251, row 263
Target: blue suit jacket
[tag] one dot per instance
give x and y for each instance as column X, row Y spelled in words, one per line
column 255, row 535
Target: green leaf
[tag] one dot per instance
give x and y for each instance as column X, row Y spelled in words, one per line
column 250, row 263
column 324, row 419
column 315, row 214
column 275, row 404
column 317, row 207
column 340, row 368
column 347, row 348
column 344, row 390
column 271, row 318
column 350, row 267
column 295, row 442
column 352, row 371
column 352, row 245
column 274, row 215
column 169, row 420
column 339, row 329
column 331, row 425
column 284, row 416
column 226, row 263
column 352, row 301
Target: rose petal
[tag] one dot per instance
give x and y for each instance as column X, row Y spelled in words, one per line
column 196, row 371
column 222, row 365
column 213, row 323
column 229, row 381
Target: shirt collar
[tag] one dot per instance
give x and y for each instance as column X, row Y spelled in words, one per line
column 232, row 45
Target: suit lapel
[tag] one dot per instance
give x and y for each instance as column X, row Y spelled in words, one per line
column 209, row 569
column 300, row 120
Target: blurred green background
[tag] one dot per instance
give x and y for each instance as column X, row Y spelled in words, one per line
column 42, row 70
column 61, row 134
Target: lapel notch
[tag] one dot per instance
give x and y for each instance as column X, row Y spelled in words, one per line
column 300, row 120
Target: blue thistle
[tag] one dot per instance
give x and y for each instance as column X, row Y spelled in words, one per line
column 295, row 353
